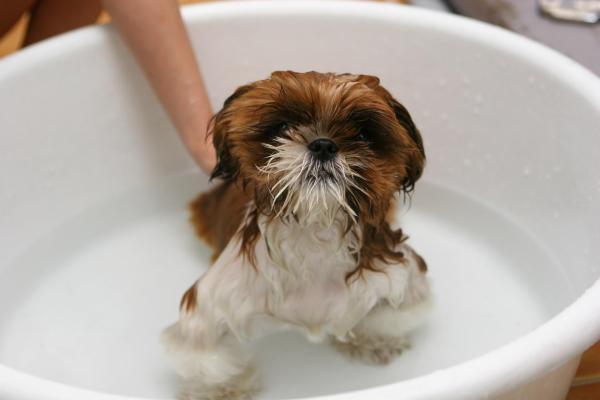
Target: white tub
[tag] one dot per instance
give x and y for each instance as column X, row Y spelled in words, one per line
column 96, row 250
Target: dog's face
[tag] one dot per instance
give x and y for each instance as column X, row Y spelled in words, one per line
column 312, row 142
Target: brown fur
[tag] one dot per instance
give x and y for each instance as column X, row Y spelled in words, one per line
column 189, row 300
column 379, row 243
column 344, row 106
column 217, row 214
column 421, row 263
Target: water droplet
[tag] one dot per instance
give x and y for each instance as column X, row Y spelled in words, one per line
column 466, row 80
column 444, row 117
column 547, row 176
column 479, row 98
column 531, row 79
column 526, row 171
column 442, row 82
column 467, row 162
column 487, row 156
column 556, row 214
column 586, row 251
column 557, row 168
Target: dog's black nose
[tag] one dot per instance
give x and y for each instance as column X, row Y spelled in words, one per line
column 323, row 149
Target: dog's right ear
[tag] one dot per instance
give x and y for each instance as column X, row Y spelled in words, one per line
column 227, row 168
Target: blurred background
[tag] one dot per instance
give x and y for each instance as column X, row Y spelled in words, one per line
column 571, row 27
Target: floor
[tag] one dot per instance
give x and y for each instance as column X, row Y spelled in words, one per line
column 586, row 385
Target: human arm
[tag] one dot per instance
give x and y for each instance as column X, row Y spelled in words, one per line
column 155, row 34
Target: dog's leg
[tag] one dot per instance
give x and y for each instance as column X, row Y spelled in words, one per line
column 204, row 345
column 383, row 333
column 212, row 368
column 206, row 354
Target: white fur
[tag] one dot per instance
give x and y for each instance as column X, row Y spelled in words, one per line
column 300, row 283
column 298, row 177
column 303, row 257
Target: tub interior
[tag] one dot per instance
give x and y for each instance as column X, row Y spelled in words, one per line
column 98, row 292
column 97, row 249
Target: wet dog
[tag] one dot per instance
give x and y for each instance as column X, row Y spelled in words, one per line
column 311, row 165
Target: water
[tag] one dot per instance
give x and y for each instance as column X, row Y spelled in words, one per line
column 86, row 305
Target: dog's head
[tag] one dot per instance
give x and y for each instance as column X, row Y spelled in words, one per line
column 311, row 142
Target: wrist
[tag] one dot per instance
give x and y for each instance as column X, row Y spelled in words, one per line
column 203, row 152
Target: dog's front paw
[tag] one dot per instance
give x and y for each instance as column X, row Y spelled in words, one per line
column 242, row 387
column 374, row 350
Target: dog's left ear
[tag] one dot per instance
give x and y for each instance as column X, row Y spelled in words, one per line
column 416, row 158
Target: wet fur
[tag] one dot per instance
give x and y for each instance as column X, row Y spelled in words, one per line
column 217, row 215
column 295, row 251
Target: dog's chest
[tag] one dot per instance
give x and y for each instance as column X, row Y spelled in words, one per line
column 306, row 270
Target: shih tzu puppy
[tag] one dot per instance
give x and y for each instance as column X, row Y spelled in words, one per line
column 311, row 165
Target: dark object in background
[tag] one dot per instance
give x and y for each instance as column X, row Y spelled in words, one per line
column 579, row 41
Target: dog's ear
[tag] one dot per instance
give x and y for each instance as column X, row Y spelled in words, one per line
column 416, row 154
column 227, row 168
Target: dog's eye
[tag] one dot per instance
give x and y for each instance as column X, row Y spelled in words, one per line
column 277, row 129
column 361, row 136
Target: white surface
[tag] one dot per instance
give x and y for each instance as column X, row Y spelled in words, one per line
column 102, row 287
column 506, row 121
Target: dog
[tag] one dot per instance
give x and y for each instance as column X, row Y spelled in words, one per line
column 312, row 165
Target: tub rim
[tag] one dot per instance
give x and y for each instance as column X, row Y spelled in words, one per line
column 568, row 333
